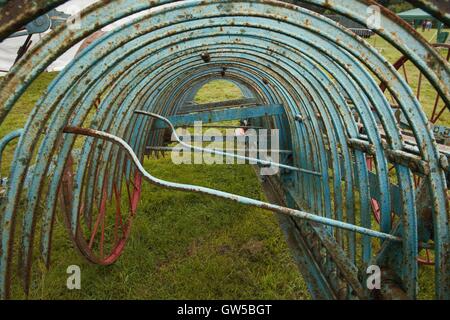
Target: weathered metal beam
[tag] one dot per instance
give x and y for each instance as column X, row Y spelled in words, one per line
column 15, row 14
column 222, row 115
column 412, row 161
column 217, row 105
column 170, row 149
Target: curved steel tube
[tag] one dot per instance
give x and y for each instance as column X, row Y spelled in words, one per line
column 226, row 195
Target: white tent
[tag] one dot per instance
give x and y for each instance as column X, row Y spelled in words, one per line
column 9, row 47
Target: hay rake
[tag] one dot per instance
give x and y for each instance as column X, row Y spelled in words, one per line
column 363, row 182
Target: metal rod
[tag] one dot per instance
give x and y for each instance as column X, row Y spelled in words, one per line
column 225, row 195
column 263, row 162
column 224, row 127
column 401, row 157
column 170, row 149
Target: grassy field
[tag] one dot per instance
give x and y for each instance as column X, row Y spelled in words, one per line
column 183, row 246
column 426, row 94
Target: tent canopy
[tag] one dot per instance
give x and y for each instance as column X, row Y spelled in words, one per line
column 416, row 14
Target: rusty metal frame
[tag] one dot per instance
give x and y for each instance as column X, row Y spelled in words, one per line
column 242, row 40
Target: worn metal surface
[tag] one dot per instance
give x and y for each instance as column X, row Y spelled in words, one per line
column 325, row 78
column 15, row 14
column 213, row 115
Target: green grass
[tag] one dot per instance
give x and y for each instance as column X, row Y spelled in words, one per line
column 184, row 246
column 410, row 73
column 17, row 118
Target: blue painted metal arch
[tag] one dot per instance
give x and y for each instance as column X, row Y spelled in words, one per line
column 295, row 51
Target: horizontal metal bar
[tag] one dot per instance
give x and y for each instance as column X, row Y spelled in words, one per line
column 225, row 127
column 170, row 149
column 263, row 162
column 223, row 115
column 193, row 107
column 212, row 138
column 409, row 160
column 415, row 163
column 225, row 195
column 411, row 143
